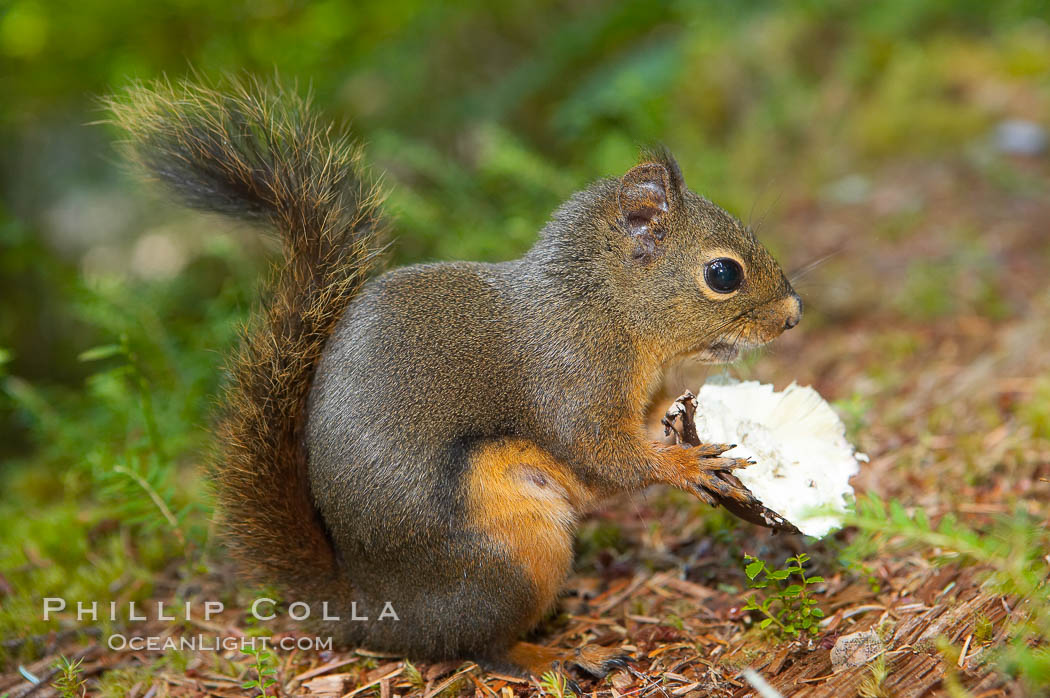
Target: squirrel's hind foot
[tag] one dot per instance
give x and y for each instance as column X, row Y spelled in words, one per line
column 537, row 660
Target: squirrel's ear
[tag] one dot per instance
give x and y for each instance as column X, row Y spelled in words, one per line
column 644, row 199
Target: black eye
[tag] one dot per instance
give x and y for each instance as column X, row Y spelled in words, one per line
column 724, row 275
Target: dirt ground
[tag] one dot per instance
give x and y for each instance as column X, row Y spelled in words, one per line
column 929, row 317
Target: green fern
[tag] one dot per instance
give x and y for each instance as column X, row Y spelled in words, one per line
column 140, row 482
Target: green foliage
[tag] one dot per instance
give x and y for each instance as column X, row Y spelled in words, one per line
column 414, row 676
column 112, row 492
column 143, row 470
column 265, row 668
column 786, row 603
column 1012, row 551
column 555, row 684
column 69, row 683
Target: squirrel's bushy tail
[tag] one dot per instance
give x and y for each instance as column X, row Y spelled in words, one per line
column 256, row 152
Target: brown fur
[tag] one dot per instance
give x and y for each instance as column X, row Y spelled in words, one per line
column 200, row 143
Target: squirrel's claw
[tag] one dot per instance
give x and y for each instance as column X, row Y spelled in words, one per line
column 599, row 661
column 618, row 663
column 722, row 465
column 704, row 495
column 712, row 450
column 713, row 488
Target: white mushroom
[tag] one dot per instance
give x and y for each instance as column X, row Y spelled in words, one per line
column 803, row 462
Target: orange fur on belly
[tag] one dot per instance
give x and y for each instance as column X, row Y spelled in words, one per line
column 528, row 504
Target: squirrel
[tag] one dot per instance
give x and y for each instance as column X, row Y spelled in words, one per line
column 427, row 438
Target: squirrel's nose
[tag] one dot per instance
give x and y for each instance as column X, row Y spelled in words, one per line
column 794, row 311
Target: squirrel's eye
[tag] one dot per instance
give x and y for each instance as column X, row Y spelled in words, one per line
column 724, row 275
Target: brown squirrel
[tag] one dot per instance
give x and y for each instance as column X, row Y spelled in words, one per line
column 429, row 437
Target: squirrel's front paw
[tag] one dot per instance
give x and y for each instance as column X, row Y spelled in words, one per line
column 703, row 471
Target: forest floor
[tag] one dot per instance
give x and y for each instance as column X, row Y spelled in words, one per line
column 928, row 326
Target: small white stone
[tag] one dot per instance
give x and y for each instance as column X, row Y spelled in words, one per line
column 856, row 649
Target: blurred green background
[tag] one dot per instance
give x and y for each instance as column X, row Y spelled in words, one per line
column 117, row 307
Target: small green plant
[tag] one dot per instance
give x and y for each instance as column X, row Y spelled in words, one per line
column 264, row 668
column 787, row 604
column 119, row 683
column 414, row 676
column 556, row 685
column 873, row 684
column 143, row 468
column 982, row 629
column 69, row 683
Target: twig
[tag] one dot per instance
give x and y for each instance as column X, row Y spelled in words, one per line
column 323, row 669
column 157, row 500
column 447, row 682
column 359, row 689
